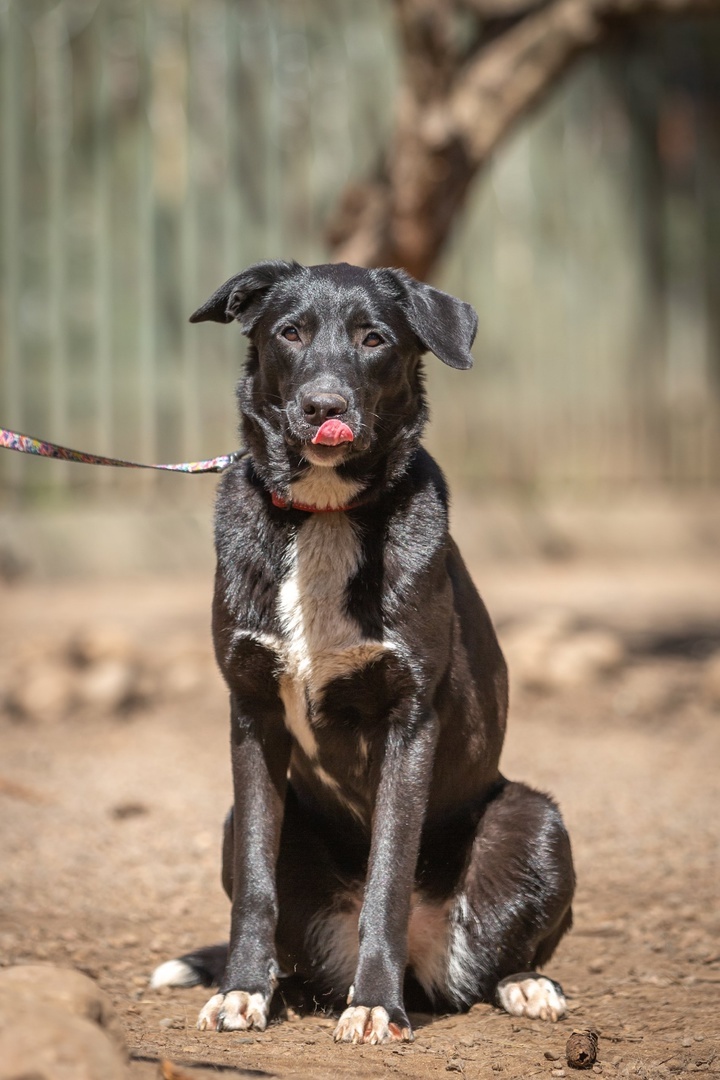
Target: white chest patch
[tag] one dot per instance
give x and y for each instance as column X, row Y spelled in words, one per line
column 324, row 488
column 322, row 642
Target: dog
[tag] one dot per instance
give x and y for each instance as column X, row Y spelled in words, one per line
column 374, row 853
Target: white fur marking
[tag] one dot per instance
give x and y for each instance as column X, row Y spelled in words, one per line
column 322, row 642
column 268, row 641
column 174, row 973
column 234, row 1011
column 461, row 973
column 537, row 998
column 324, row 488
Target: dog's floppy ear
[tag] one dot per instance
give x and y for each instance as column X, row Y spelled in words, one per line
column 444, row 325
column 241, row 296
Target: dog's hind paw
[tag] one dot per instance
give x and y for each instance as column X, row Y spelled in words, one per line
column 234, row 1011
column 358, row 1024
column 534, row 996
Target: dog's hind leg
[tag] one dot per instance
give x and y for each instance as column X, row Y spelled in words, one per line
column 513, row 907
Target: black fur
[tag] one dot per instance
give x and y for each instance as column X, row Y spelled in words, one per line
column 411, row 739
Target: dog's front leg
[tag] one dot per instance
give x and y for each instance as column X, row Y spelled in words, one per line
column 377, row 1012
column 260, row 752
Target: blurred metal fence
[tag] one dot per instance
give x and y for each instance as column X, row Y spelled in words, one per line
column 150, row 148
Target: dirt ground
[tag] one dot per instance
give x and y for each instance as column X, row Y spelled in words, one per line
column 112, row 806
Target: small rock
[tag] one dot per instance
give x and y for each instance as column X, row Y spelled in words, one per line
column 548, row 653
column 43, row 691
column 585, row 657
column 106, row 686
column 171, row 1022
column 527, row 645
column 97, row 644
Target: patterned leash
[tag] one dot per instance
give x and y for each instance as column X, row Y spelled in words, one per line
column 26, row 444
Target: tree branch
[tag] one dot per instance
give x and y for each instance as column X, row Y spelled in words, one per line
column 448, row 125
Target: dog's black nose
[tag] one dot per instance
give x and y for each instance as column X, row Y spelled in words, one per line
column 321, row 407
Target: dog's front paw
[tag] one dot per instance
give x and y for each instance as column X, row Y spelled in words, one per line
column 533, row 996
column 359, row 1024
column 234, row 1011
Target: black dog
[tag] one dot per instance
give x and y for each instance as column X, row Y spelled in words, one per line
column 374, row 850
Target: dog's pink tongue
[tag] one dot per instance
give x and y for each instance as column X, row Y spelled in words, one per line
column 332, row 433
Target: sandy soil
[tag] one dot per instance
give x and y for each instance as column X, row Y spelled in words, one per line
column 109, row 851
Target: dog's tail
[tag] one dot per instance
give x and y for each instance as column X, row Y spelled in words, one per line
column 202, row 967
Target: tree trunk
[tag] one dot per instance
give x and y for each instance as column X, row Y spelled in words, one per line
column 465, row 85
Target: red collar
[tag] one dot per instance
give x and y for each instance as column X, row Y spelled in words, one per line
column 283, row 504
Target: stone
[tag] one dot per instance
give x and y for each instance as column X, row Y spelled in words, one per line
column 41, row 691
column 106, row 686
column 548, row 653
column 97, row 644
column 40, row 986
column 48, row 1043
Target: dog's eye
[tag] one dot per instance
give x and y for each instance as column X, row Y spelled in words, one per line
column 290, row 334
column 373, row 339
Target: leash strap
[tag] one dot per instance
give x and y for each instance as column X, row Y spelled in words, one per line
column 26, row 444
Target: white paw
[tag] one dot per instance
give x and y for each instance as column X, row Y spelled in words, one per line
column 360, row 1024
column 234, row 1011
column 533, row 996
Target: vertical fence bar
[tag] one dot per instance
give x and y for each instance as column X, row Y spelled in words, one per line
column 190, row 403
column 231, row 119
column 55, row 133
column 102, row 251
column 235, row 244
column 147, row 300
column 274, row 217
column 12, row 399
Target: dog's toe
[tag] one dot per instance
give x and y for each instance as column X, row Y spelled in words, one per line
column 234, row 1011
column 534, row 996
column 360, row 1024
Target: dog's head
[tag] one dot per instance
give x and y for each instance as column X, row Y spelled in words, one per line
column 333, row 376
